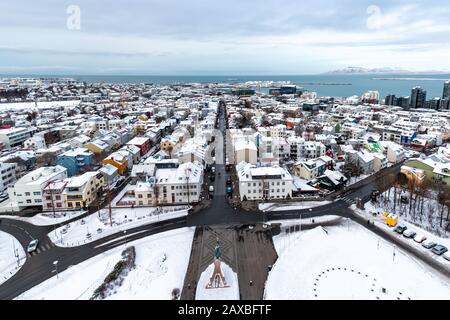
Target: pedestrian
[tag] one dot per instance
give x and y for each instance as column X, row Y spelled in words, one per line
column 251, row 283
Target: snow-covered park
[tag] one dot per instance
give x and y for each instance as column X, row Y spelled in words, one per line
column 12, row 256
column 98, row 224
column 161, row 264
column 229, row 293
column 422, row 211
column 348, row 262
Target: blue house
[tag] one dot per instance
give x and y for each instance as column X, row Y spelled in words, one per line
column 74, row 160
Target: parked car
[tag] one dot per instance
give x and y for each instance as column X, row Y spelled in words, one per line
column 400, row 229
column 212, row 177
column 32, row 246
column 409, row 234
column 229, row 183
column 428, row 244
column 420, row 238
column 439, row 249
column 446, row 256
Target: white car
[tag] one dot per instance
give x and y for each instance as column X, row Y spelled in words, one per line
column 32, row 246
column 420, row 238
column 409, row 234
column 428, row 244
column 447, row 256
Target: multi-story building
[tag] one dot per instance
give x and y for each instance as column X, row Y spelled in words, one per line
column 418, row 97
column 14, row 136
column 27, row 191
column 7, row 175
column 257, row 183
column 171, row 185
column 83, row 190
column 446, row 93
column 74, row 160
column 54, row 195
column 143, row 143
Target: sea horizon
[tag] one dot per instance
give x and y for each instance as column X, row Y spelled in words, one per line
column 325, row 84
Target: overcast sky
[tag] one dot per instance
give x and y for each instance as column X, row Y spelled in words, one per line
column 233, row 37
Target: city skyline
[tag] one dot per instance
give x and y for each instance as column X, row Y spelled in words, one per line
column 201, row 38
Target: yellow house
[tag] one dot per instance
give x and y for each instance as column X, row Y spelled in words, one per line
column 82, row 191
column 97, row 146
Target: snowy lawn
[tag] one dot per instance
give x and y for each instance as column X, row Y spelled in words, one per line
column 161, row 265
column 47, row 218
column 380, row 222
column 426, row 212
column 228, row 293
column 9, row 262
column 348, row 262
column 291, row 206
column 97, row 227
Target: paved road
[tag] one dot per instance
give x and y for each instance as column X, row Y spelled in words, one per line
column 39, row 266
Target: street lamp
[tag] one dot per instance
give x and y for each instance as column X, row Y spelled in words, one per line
column 55, row 263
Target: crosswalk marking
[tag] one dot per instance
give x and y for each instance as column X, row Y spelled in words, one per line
column 349, row 201
column 47, row 246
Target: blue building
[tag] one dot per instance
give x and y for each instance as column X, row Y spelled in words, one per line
column 74, row 160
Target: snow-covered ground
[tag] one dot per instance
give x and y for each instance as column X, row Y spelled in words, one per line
column 348, row 262
column 47, row 218
column 426, row 216
column 228, row 293
column 40, row 105
column 380, row 222
column 291, row 206
column 161, row 265
column 76, row 233
column 10, row 248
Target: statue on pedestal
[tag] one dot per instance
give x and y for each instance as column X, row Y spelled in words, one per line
column 217, row 280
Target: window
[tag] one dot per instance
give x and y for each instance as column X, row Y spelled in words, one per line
column 38, row 200
column 254, row 184
column 149, row 195
column 48, row 198
column 28, row 201
column 70, row 205
column 249, row 184
column 27, row 194
column 140, row 196
column 59, row 205
column 172, row 188
column 141, row 203
column 58, row 197
column 36, row 193
column 282, row 190
column 283, row 183
column 77, row 204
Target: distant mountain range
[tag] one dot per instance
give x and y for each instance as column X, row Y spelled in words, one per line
column 362, row 70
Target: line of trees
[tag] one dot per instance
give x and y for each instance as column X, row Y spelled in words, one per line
column 427, row 201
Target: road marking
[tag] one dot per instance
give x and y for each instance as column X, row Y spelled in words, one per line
column 38, row 250
column 47, row 246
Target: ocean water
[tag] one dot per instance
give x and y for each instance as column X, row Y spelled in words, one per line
column 324, row 85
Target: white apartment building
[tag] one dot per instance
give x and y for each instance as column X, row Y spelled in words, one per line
column 35, row 142
column 14, row 136
column 7, row 175
column 28, row 190
column 180, row 185
column 257, row 183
